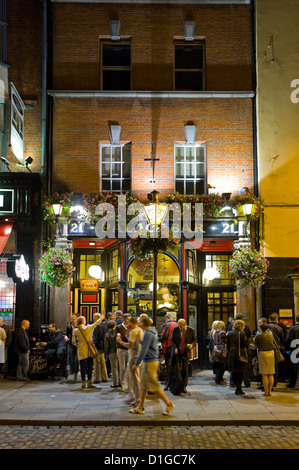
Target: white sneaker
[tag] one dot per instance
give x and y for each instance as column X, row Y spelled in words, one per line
column 138, row 411
column 169, row 408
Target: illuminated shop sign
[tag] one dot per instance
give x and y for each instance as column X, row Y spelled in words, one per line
column 6, row 201
column 223, row 228
column 18, row 269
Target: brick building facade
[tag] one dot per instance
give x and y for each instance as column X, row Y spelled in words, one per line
column 151, row 77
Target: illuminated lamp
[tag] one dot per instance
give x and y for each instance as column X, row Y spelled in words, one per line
column 57, row 208
column 210, row 274
column 247, row 208
column 151, row 286
column 95, row 271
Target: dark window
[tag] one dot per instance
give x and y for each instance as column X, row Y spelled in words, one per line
column 116, row 66
column 189, row 67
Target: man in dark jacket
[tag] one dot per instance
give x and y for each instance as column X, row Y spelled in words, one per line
column 183, row 339
column 99, row 362
column 122, row 352
column 56, row 345
column 291, row 346
column 22, row 349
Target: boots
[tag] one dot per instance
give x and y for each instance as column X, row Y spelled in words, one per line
column 90, row 384
column 83, row 384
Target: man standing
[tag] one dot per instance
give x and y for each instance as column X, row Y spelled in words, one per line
column 99, row 362
column 22, row 349
column 183, row 340
column 149, row 357
column 293, row 334
column 121, row 331
column 166, row 334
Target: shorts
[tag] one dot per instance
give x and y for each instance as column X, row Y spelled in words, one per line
column 149, row 376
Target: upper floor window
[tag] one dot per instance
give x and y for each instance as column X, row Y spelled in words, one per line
column 115, row 167
column 190, row 169
column 189, row 67
column 115, row 66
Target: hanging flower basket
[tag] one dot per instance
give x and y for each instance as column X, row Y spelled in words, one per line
column 257, row 205
column 56, row 198
column 56, row 267
column 142, row 248
column 248, row 267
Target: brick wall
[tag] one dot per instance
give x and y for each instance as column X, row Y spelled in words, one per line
column 152, row 28
column 81, row 125
column 24, row 54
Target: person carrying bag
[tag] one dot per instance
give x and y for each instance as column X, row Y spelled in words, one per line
column 82, row 338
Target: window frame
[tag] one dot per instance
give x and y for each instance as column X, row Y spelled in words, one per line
column 115, row 68
column 194, row 179
column 121, row 162
column 197, row 42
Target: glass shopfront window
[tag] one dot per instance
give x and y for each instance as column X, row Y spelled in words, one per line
column 216, row 272
column 140, row 279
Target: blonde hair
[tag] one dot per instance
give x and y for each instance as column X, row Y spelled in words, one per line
column 218, row 325
column 80, row 320
column 238, row 325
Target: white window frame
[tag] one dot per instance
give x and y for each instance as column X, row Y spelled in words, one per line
column 194, row 179
column 121, row 162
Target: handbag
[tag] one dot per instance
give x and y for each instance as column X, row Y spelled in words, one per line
column 243, row 357
column 278, row 356
column 92, row 349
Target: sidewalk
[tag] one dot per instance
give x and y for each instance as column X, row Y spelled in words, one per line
column 62, row 402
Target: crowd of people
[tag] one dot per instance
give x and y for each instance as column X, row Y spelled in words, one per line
column 126, row 348
column 234, row 348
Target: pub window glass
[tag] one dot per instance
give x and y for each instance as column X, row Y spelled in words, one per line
column 190, row 169
column 189, row 67
column 116, row 66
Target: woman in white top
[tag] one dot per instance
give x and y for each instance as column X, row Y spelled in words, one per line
column 2, row 347
column 81, row 335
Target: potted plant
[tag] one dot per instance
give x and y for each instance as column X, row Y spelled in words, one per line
column 248, row 267
column 56, row 267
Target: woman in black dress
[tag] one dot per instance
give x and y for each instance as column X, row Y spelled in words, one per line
column 237, row 343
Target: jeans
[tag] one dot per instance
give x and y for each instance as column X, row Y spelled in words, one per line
column 23, row 366
column 100, row 369
column 114, row 367
column 122, row 356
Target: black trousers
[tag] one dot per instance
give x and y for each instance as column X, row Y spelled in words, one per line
column 86, row 368
column 237, row 378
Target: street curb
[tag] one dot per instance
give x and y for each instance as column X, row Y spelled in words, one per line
column 147, row 422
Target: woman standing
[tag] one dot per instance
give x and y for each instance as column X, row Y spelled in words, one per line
column 237, row 342
column 218, row 353
column 266, row 357
column 81, row 335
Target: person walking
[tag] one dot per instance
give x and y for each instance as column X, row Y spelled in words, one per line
column 134, row 345
column 219, row 351
column 266, row 357
column 148, row 357
column 81, row 336
column 237, row 342
column 72, row 349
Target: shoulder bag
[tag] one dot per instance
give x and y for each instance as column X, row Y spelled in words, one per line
column 92, row 349
column 243, row 357
column 278, row 356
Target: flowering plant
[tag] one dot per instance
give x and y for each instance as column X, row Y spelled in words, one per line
column 142, row 248
column 56, row 267
column 248, row 267
column 212, row 203
column 55, row 198
column 90, row 202
column 257, row 208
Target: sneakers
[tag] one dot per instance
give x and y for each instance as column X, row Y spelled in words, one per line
column 137, row 411
column 169, row 408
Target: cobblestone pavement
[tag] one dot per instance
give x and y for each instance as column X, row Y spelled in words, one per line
column 142, row 437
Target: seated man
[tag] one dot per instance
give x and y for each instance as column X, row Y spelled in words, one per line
column 56, row 345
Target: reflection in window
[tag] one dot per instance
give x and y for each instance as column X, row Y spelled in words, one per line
column 217, row 271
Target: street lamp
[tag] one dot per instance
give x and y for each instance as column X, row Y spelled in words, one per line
column 247, row 208
column 155, row 214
